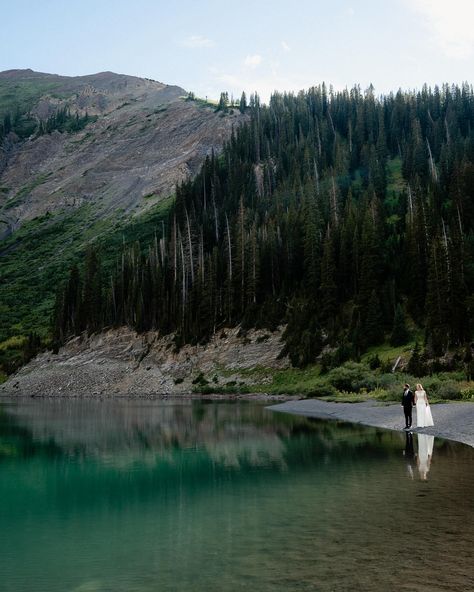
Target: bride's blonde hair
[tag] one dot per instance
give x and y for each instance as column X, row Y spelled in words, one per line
column 419, row 387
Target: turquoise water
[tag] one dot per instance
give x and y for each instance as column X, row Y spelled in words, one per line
column 139, row 496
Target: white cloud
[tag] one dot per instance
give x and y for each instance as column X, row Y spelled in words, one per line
column 451, row 24
column 196, row 41
column 252, row 61
column 285, row 46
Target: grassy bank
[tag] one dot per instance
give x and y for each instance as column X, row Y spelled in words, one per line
column 352, row 381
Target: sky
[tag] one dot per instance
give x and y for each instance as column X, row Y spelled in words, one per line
column 209, row 46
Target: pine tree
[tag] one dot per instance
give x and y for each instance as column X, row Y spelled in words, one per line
column 400, row 334
column 31, row 347
column 370, row 248
column 373, row 327
column 328, row 297
column 302, row 336
column 416, row 365
column 437, row 299
column 312, row 244
column 223, row 104
column 91, row 313
column 243, row 103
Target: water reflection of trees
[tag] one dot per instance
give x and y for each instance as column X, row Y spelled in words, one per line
column 123, row 432
column 120, row 433
column 229, row 486
column 17, row 441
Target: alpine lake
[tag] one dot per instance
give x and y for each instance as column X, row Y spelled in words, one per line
column 178, row 495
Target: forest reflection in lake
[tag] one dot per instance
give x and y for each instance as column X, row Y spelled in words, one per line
column 194, row 495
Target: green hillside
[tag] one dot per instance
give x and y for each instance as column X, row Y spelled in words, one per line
column 22, row 95
column 36, row 259
column 345, row 216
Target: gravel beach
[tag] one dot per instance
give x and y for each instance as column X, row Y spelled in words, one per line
column 454, row 421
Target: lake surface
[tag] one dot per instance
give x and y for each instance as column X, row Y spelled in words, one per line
column 141, row 496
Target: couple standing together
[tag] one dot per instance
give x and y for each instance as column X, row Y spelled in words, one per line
column 419, row 399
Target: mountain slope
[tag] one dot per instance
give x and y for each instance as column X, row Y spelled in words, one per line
column 348, row 217
column 108, row 182
column 145, row 140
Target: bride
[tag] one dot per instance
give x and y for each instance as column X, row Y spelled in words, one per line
column 424, row 419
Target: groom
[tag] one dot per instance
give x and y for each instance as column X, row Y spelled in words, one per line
column 408, row 402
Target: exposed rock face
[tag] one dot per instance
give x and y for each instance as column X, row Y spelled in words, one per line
column 124, row 363
column 145, row 140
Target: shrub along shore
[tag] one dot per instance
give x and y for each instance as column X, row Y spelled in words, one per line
column 351, row 382
column 373, row 377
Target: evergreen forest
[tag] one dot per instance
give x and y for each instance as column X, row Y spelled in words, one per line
column 25, row 125
column 346, row 216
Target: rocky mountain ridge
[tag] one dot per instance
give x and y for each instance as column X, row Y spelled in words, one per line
column 146, row 139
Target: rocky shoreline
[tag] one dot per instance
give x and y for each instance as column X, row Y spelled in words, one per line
column 122, row 363
column 453, row 421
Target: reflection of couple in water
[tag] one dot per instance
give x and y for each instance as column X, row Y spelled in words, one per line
column 424, row 456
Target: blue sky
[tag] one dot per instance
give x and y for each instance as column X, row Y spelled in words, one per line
column 208, row 46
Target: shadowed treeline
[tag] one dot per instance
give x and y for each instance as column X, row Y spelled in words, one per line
column 342, row 213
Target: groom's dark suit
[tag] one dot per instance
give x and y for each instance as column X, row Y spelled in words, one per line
column 408, row 400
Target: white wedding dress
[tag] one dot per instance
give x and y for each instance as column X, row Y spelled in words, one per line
column 424, row 419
